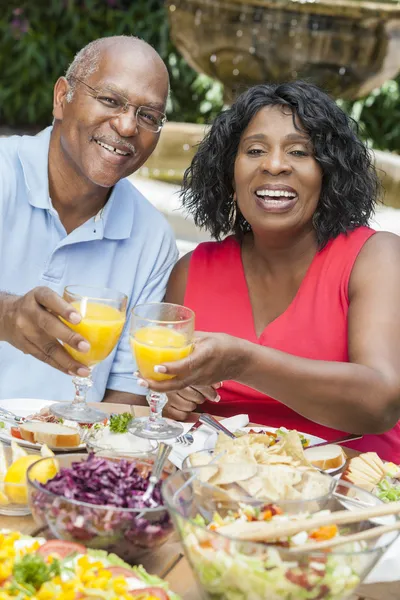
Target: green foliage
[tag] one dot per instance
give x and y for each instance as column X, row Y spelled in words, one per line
column 38, row 40
column 379, row 116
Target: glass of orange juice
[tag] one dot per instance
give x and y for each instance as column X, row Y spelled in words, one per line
column 160, row 332
column 103, row 318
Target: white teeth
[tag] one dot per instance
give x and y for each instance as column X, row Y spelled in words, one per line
column 111, row 148
column 275, row 193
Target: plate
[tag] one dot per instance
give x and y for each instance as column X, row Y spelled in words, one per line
column 312, row 439
column 23, row 407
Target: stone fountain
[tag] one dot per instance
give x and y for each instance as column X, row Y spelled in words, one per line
column 349, row 47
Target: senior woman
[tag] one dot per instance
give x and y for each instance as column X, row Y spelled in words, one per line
column 301, row 303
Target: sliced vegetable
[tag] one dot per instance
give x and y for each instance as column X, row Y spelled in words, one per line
column 60, row 548
column 15, row 432
column 152, row 592
column 122, row 571
column 387, row 491
column 113, row 483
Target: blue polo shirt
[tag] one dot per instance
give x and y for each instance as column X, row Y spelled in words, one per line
column 128, row 247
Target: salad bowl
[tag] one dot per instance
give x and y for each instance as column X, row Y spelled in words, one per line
column 232, row 565
column 96, row 501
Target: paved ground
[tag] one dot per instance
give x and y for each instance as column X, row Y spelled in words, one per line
column 165, row 197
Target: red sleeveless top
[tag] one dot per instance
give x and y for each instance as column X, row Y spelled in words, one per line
column 313, row 326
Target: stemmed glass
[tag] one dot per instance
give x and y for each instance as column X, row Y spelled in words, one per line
column 160, row 332
column 103, row 317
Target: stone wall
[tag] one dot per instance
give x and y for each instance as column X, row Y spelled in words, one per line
column 178, row 143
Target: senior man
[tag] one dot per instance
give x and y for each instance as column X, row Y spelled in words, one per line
column 69, row 216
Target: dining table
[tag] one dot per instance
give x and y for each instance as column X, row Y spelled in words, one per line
column 169, row 561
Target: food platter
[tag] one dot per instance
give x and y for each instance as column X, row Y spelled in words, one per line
column 311, row 439
column 57, row 568
column 24, row 407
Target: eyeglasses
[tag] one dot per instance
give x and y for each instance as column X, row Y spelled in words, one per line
column 115, row 105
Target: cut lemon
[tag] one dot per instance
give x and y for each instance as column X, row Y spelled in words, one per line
column 45, row 469
column 3, row 499
column 15, row 480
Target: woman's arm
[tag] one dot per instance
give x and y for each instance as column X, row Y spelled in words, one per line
column 361, row 396
column 177, row 282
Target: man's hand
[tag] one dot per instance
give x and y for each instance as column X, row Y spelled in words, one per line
column 182, row 403
column 31, row 323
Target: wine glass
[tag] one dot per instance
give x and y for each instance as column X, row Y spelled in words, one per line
column 103, row 317
column 160, row 332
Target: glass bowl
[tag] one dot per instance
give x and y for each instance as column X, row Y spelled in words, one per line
column 130, row 532
column 145, row 448
column 14, row 496
column 270, row 482
column 229, row 568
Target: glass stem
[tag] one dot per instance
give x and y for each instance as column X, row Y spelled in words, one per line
column 156, row 402
column 82, row 385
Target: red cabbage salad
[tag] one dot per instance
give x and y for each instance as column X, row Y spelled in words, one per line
column 103, row 482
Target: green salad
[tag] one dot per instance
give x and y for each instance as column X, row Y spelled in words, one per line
column 230, row 569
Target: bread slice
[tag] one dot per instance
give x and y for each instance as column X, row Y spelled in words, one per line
column 325, row 457
column 52, row 434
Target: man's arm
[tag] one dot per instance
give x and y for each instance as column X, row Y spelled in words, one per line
column 124, row 398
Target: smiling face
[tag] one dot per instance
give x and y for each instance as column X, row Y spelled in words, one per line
column 277, row 180
column 103, row 148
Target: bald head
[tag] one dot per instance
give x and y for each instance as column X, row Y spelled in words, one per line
column 88, row 60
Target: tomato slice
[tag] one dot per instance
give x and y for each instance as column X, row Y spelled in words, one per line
column 60, row 548
column 15, row 432
column 122, row 571
column 155, row 592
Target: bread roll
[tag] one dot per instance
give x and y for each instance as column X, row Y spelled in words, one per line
column 325, row 457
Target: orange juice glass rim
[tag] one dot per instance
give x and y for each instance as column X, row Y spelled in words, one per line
column 164, row 321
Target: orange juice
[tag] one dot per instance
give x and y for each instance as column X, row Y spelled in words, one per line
column 101, row 326
column 156, row 345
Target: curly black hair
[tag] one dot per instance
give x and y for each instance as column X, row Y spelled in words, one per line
column 350, row 185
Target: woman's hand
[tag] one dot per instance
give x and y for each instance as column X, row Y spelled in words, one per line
column 182, row 403
column 216, row 357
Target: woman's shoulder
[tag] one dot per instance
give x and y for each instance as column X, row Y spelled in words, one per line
column 380, row 248
column 353, row 237
column 378, row 260
column 362, row 241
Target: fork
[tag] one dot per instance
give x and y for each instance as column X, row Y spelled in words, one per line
column 11, row 417
column 163, row 452
column 187, row 438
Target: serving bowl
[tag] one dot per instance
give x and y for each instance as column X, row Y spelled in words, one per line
column 232, row 568
column 94, row 443
column 130, row 532
column 265, row 482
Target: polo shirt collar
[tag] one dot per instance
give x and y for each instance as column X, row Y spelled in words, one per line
column 33, row 153
column 118, row 212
